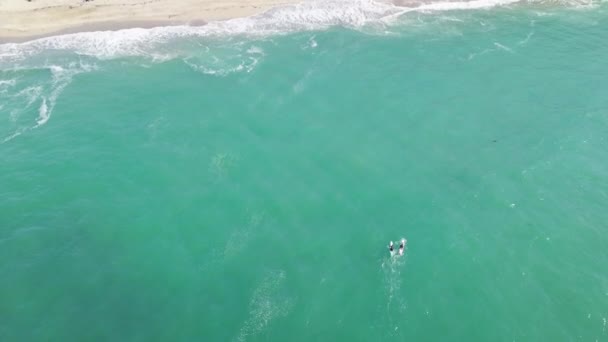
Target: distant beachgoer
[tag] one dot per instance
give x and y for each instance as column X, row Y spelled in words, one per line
column 390, row 246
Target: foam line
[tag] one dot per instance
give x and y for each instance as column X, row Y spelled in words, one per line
column 306, row 16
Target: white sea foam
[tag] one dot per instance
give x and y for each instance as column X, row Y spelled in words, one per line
column 44, row 94
column 464, row 5
column 313, row 43
column 503, row 47
column 444, row 6
column 7, row 83
column 239, row 238
column 223, row 58
column 308, row 15
column 61, row 77
column 30, row 93
column 268, row 302
column 255, row 50
column 497, row 47
column 43, row 113
column 13, row 135
column 527, row 39
column 392, row 267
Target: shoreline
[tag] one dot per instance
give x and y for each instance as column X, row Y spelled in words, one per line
column 22, row 21
column 104, row 26
column 27, row 20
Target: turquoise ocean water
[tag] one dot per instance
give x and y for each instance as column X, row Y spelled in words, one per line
column 240, row 181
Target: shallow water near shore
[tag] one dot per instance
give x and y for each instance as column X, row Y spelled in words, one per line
column 230, row 187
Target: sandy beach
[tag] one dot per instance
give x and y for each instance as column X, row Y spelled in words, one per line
column 22, row 20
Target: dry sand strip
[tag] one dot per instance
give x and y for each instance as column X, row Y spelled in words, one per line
column 22, row 19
